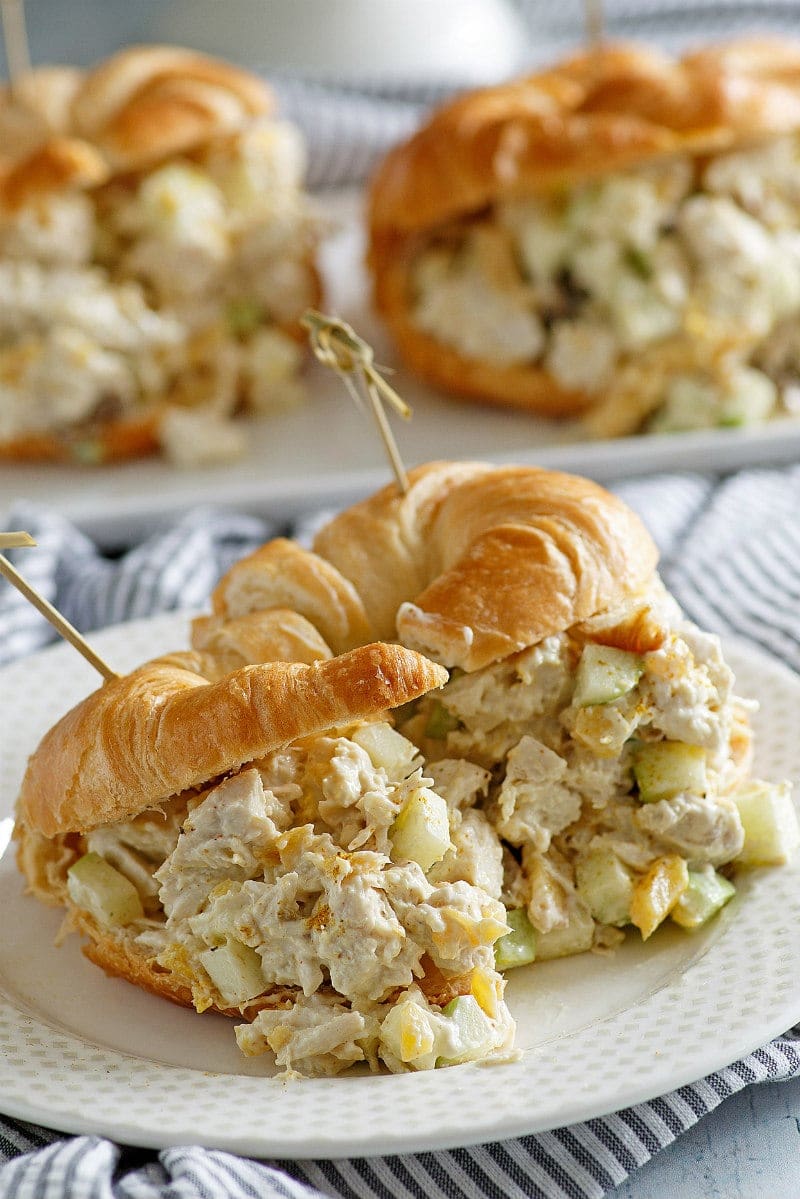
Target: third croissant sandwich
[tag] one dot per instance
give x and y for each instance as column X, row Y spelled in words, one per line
column 618, row 235
column 156, row 254
column 496, row 741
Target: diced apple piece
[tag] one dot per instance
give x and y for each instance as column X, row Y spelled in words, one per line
column 235, row 970
column 243, row 315
column 440, row 721
column 706, row 893
column 605, row 885
column 665, row 768
column 474, row 1033
column 95, row 886
column 421, row 832
column 657, row 892
column 518, row 947
column 577, row 937
column 179, row 199
column 771, row 830
column 604, row 674
column 408, row 1031
column 386, row 747
column 487, row 988
column 424, row 1037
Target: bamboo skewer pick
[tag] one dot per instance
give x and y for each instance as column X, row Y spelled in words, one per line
column 59, row 622
column 15, row 39
column 595, row 23
column 337, row 345
column 9, row 541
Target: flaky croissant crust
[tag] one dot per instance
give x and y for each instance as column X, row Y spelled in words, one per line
column 594, row 114
column 64, row 128
column 164, row 728
column 473, row 563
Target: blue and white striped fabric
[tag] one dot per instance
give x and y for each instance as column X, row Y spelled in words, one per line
column 730, row 553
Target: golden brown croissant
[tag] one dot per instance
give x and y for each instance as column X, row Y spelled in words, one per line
column 472, row 564
column 156, row 254
column 553, row 243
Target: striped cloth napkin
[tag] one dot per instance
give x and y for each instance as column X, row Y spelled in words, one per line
column 730, row 554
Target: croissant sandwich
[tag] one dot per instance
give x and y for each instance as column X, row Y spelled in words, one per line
column 156, row 254
column 493, row 739
column 617, row 236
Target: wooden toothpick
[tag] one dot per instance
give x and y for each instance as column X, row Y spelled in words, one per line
column 15, row 39
column 337, row 345
column 59, row 622
column 594, row 17
column 10, row 541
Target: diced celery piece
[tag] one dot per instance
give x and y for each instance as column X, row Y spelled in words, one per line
column 243, row 316
column 771, row 831
column 421, row 832
column 749, row 398
column 640, row 263
column 604, row 674
column 235, row 970
column 440, row 721
column 605, row 885
column 386, row 747
column 577, row 937
column 705, row 894
column 518, row 947
column 665, row 768
column 95, row 886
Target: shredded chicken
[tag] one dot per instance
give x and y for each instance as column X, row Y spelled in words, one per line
column 697, row 267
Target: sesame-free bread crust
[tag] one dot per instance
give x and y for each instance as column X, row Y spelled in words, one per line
column 283, row 574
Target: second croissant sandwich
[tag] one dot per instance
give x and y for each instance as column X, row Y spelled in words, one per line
column 349, row 847
column 156, row 254
column 618, row 236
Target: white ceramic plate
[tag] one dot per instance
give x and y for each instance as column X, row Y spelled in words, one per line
column 84, row 1053
column 326, row 453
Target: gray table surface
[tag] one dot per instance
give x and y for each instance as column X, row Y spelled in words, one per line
column 749, row 1148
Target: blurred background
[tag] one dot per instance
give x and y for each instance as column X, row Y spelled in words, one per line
column 356, row 75
column 317, row 35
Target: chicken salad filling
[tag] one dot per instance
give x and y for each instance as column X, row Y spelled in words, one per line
column 614, row 776
column 177, row 285
column 299, row 892
column 668, row 294
column 359, row 895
